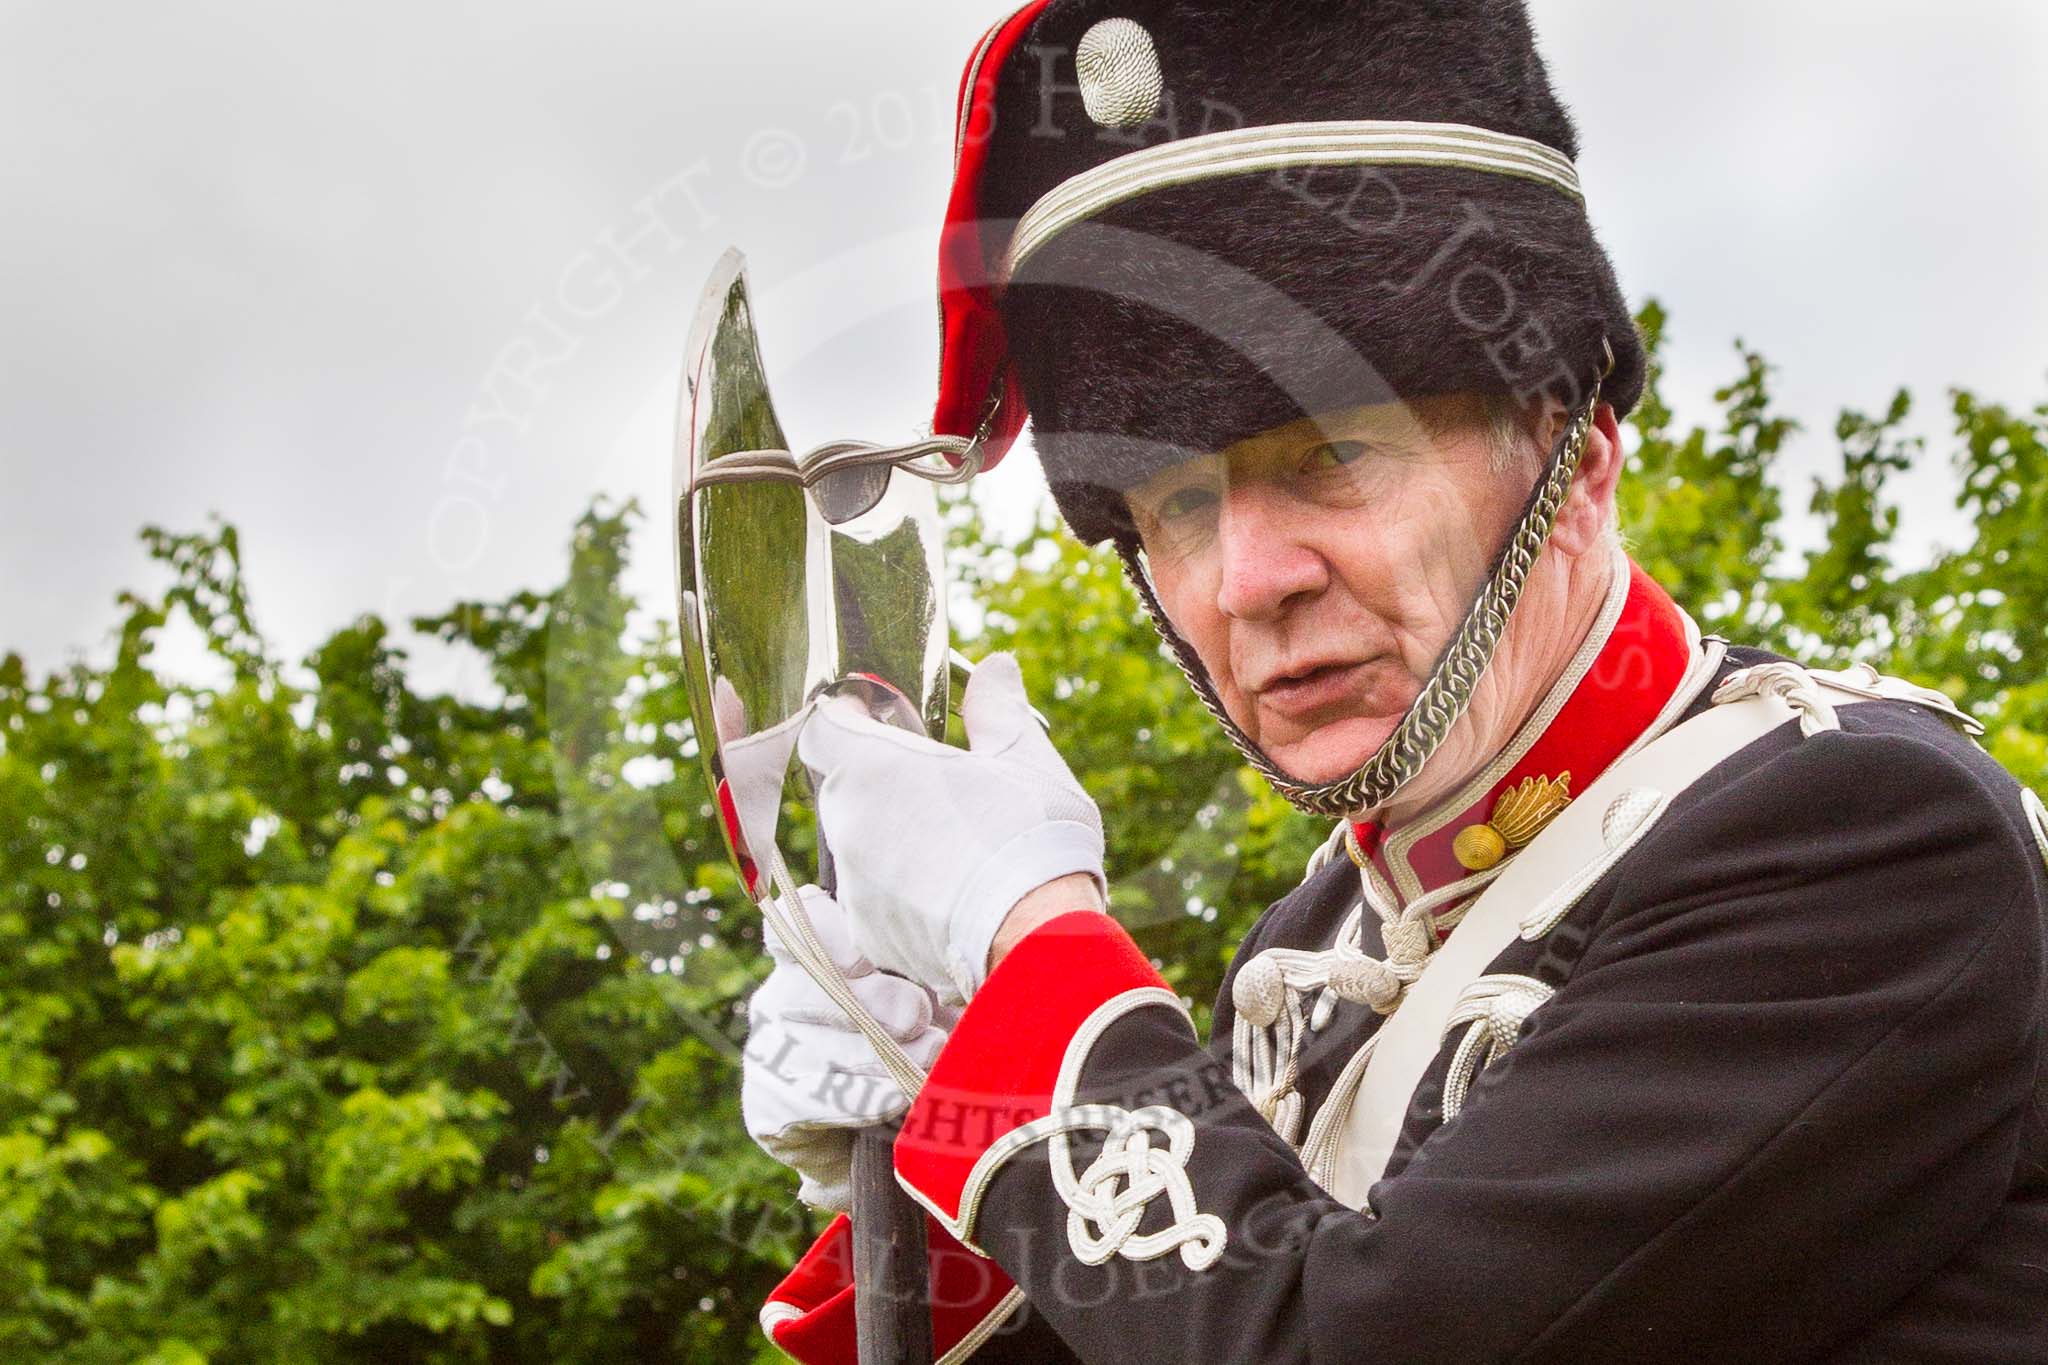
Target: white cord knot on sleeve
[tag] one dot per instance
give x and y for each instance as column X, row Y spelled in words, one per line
column 1106, row 1202
column 1492, row 1010
column 1144, row 1155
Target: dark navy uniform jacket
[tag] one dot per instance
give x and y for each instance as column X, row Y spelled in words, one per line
column 1786, row 1103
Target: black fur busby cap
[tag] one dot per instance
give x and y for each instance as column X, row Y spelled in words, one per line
column 1191, row 316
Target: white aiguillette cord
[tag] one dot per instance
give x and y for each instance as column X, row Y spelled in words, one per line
column 784, row 911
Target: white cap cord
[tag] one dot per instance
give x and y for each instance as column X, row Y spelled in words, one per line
column 1283, row 146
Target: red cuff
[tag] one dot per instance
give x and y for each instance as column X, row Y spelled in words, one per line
column 810, row 1314
column 998, row 1070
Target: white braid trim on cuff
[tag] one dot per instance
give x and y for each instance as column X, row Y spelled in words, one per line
column 774, row 1313
column 984, row 1329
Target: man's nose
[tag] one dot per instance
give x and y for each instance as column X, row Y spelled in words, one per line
column 1266, row 562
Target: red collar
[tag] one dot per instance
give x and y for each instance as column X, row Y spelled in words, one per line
column 1627, row 674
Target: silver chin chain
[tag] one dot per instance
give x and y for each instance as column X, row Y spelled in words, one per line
column 1448, row 692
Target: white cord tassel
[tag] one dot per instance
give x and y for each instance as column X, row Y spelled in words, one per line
column 1492, row 1010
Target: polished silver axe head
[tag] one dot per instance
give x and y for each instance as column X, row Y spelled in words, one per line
column 795, row 574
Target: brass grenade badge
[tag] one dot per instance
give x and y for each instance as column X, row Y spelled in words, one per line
column 1519, row 816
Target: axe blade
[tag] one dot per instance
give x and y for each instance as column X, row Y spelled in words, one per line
column 741, row 552
column 789, row 579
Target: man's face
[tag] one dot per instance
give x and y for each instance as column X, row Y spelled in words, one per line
column 1319, row 569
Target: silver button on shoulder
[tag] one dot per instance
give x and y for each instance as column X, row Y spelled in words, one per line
column 1118, row 65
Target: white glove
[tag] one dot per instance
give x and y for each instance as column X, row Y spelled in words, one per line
column 935, row 845
column 808, row 1080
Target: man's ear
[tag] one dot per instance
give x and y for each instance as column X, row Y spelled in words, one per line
column 1589, row 511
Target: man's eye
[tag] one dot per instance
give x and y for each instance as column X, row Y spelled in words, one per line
column 1185, row 503
column 1335, row 454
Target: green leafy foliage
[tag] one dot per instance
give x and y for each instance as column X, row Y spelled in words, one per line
column 340, row 1022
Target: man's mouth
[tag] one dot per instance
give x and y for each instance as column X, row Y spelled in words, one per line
column 1315, row 687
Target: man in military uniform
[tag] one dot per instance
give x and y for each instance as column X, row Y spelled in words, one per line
column 1655, row 999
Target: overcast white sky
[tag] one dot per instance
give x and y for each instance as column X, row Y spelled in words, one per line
column 399, row 287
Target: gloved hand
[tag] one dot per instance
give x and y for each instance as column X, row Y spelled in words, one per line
column 934, row 845
column 808, row 1079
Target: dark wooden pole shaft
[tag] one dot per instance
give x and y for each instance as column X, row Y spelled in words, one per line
column 891, row 1274
column 891, row 1268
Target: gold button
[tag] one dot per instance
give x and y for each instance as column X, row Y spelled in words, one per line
column 1479, row 847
